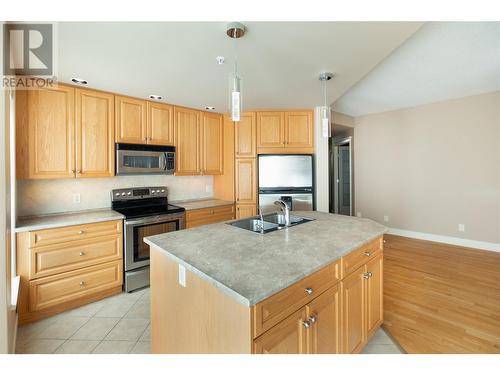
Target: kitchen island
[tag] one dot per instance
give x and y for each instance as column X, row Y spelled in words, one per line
column 311, row 288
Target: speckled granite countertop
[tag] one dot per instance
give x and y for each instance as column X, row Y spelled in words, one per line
column 29, row 223
column 251, row 267
column 201, row 203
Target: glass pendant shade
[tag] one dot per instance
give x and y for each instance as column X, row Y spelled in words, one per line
column 325, row 122
column 235, row 97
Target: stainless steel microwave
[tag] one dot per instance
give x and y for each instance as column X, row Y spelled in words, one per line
column 132, row 159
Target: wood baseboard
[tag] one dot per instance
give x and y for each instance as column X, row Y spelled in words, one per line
column 441, row 298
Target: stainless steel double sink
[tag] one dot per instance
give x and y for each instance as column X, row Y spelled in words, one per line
column 270, row 223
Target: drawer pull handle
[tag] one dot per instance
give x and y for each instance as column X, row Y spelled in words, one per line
column 309, row 291
column 82, row 283
column 306, row 324
column 81, row 232
column 367, row 253
column 82, row 253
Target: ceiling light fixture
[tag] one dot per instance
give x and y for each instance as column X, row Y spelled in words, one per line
column 209, row 108
column 220, row 59
column 235, row 30
column 325, row 110
column 155, row 97
column 80, row 81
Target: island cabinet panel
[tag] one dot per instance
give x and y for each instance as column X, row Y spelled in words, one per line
column 324, row 313
column 374, row 295
column 287, row 337
column 131, row 120
column 354, row 310
column 275, row 308
column 245, row 136
column 95, row 134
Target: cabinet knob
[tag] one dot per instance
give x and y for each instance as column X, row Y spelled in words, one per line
column 367, row 253
column 309, row 291
column 73, row 171
column 367, row 275
column 312, row 319
column 145, row 138
column 82, row 283
column 82, row 253
column 306, row 324
column 384, row 241
column 81, row 232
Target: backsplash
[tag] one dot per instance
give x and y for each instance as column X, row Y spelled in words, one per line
column 36, row 197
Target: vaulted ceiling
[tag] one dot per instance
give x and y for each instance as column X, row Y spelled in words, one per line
column 279, row 61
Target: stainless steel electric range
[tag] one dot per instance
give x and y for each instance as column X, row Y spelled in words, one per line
column 147, row 212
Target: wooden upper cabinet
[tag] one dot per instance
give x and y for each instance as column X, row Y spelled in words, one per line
column 49, row 132
column 353, row 314
column 160, row 129
column 246, row 181
column 131, row 120
column 212, row 143
column 374, row 295
column 324, row 335
column 95, row 147
column 287, row 337
column 245, row 136
column 299, row 129
column 270, row 129
column 187, row 134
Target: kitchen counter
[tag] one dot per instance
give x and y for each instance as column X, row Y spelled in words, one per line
column 201, row 203
column 251, row 267
column 30, row 223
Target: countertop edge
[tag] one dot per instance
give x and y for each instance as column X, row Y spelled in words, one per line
column 252, row 302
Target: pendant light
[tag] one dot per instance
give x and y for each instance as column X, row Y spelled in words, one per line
column 325, row 110
column 235, row 30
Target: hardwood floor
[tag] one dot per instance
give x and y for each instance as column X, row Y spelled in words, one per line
column 441, row 298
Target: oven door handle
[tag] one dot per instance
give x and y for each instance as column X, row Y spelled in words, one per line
column 163, row 161
column 154, row 219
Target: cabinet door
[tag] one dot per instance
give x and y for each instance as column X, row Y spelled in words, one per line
column 212, row 143
column 324, row 335
column 270, row 129
column 245, row 210
column 246, row 186
column 299, row 129
column 160, row 124
column 131, row 120
column 353, row 314
column 287, row 337
column 187, row 135
column 245, row 134
column 374, row 294
column 51, row 132
column 95, row 141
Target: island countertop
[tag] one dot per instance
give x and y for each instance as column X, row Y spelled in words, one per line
column 251, row 267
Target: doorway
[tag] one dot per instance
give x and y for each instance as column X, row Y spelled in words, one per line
column 341, row 191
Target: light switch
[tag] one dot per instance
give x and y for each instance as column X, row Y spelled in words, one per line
column 182, row 275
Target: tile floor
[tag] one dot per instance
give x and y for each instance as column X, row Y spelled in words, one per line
column 116, row 325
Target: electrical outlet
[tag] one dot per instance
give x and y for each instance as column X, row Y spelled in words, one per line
column 208, row 188
column 76, row 198
column 358, row 214
column 461, row 227
column 386, row 218
column 182, row 275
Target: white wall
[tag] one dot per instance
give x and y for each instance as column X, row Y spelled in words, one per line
column 432, row 167
column 49, row 196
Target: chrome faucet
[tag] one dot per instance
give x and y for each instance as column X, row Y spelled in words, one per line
column 286, row 210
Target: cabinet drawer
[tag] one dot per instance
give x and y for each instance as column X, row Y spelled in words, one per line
column 280, row 305
column 74, row 233
column 55, row 290
column 359, row 257
column 204, row 216
column 58, row 258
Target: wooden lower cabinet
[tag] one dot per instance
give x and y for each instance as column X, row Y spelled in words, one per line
column 245, row 210
column 374, row 295
column 353, row 303
column 204, row 216
column 287, row 337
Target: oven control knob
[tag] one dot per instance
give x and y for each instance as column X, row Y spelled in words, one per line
column 162, row 190
column 123, row 194
column 152, row 191
column 117, row 194
column 129, row 193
